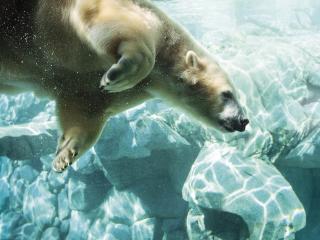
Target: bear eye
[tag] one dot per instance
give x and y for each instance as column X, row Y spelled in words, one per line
column 227, row 95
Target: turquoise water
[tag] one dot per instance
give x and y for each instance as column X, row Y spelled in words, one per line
column 156, row 174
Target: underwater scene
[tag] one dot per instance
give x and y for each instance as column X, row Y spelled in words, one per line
column 157, row 174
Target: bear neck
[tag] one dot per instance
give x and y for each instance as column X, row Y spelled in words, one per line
column 171, row 62
column 171, row 55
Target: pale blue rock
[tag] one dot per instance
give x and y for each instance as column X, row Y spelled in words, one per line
column 5, row 194
column 159, row 197
column 98, row 228
column 88, row 163
column 39, row 204
column 58, row 180
column 117, row 231
column 51, row 233
column 124, row 207
column 87, row 191
column 76, row 194
column 144, row 229
column 9, row 222
column 5, row 167
column 17, row 193
column 20, row 109
column 28, row 231
column 251, row 189
column 63, row 204
column 27, row 126
column 22, row 176
column 129, row 215
column 46, row 161
column 64, row 226
column 142, row 145
column 28, row 142
column 122, row 216
column 25, row 172
column 79, row 225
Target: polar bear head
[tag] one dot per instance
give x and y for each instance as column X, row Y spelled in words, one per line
column 204, row 91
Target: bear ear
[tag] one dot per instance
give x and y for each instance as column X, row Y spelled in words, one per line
column 192, row 60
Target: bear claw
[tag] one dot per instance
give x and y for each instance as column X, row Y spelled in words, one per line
column 118, row 86
column 114, row 85
column 104, row 83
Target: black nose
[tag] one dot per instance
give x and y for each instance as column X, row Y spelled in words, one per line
column 235, row 124
column 241, row 126
column 244, row 122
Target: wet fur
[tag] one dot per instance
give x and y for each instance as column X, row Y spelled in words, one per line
column 62, row 49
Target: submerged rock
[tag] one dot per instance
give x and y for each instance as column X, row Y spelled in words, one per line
column 39, row 204
column 9, row 222
column 116, row 231
column 58, row 180
column 143, row 147
column 145, row 229
column 28, row 231
column 252, row 189
column 51, row 233
column 17, row 193
column 24, row 172
column 124, row 216
column 86, row 192
column 79, row 226
column 5, row 195
column 63, row 205
column 5, row 167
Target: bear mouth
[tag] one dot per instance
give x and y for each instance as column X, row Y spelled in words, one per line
column 228, row 129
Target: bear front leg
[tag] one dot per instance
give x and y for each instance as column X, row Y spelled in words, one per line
column 81, row 129
column 135, row 63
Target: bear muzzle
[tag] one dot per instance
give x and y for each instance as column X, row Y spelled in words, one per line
column 234, row 124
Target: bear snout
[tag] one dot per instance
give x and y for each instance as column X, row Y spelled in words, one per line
column 234, row 124
column 241, row 124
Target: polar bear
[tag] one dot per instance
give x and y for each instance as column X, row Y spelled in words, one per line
column 96, row 58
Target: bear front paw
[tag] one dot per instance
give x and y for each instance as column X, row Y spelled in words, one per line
column 114, row 84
